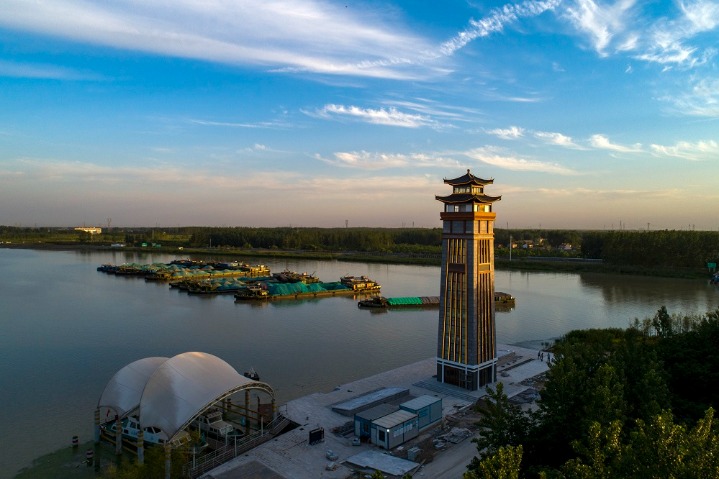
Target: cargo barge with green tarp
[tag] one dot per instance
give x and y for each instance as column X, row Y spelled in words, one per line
column 404, row 302
column 270, row 290
column 380, row 302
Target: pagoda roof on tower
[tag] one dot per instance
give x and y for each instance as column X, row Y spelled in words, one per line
column 468, row 179
column 467, row 198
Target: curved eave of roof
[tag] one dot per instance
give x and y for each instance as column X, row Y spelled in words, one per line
column 124, row 391
column 468, row 179
column 467, row 198
column 184, row 386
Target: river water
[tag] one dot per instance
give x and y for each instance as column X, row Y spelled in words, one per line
column 66, row 329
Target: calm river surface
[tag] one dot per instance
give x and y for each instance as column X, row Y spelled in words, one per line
column 66, row 329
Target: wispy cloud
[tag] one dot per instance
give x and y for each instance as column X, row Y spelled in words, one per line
column 555, row 138
column 608, row 194
column 230, row 124
column 669, row 40
column 702, row 99
column 552, row 138
column 701, row 150
column 495, row 22
column 433, row 108
column 376, row 161
column 511, row 133
column 600, row 23
column 54, row 187
column 381, row 116
column 619, row 26
column 602, row 142
column 493, row 156
column 309, row 35
column 44, row 72
column 316, row 36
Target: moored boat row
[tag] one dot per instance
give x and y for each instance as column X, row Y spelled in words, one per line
column 270, row 290
column 244, row 281
column 180, row 269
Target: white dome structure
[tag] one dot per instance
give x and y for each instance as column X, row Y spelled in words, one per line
column 170, row 393
column 124, row 391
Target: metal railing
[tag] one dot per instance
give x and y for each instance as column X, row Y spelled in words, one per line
column 222, row 454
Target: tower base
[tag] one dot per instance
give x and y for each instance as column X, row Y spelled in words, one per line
column 466, row 376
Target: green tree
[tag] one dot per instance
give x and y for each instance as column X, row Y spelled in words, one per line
column 505, row 463
column 691, row 361
column 662, row 323
column 658, row 449
column 502, row 424
column 598, row 376
column 602, row 452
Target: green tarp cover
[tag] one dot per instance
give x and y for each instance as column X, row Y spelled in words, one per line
column 282, row 289
column 404, row 301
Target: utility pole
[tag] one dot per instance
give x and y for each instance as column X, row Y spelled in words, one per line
column 510, row 242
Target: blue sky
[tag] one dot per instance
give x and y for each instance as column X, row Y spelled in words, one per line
column 314, row 113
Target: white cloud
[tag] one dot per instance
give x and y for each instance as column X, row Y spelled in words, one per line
column 621, row 27
column 181, row 195
column 495, row 22
column 511, row 133
column 309, row 35
column 601, row 23
column 376, row 161
column 433, row 108
column 701, row 15
column 41, row 71
column 701, row 100
column 492, row 156
column 382, row 116
column 230, row 124
column 667, row 48
column 701, row 150
column 602, row 142
column 556, row 139
column 668, row 41
column 552, row 138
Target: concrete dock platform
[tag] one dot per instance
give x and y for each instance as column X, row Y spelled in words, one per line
column 290, row 456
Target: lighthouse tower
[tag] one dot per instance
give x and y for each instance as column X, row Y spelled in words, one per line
column 467, row 344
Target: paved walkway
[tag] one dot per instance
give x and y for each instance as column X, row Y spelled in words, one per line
column 290, row 456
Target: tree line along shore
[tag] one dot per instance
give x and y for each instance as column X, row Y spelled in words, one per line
column 630, row 403
column 673, row 253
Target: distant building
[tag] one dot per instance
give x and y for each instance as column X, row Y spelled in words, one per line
column 466, row 345
column 93, row 230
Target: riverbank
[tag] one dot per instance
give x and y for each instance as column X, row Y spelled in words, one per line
column 441, row 451
column 531, row 263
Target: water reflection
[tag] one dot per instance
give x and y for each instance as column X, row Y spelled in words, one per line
column 682, row 295
column 68, row 328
